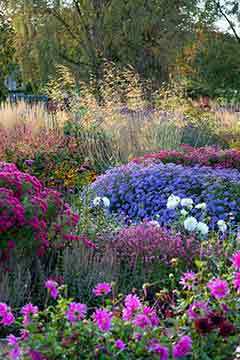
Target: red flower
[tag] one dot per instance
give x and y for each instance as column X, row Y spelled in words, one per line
column 226, row 328
column 203, row 325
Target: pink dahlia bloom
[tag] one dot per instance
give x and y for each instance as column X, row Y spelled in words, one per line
column 6, row 315
column 102, row 289
column 236, row 260
column 132, row 302
column 27, row 311
column 76, row 312
column 142, row 321
column 188, row 280
column 103, row 319
column 183, row 347
column 219, row 288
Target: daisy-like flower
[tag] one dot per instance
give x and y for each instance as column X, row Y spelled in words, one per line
column 190, row 223
column 102, row 289
column 187, row 202
column 202, row 228
column 197, row 309
column 28, row 311
column 236, row 260
column 188, row 280
column 201, row 206
column 76, row 312
column 222, row 225
column 142, row 321
column 103, row 319
column 158, row 349
column 132, row 302
column 183, row 347
column 173, row 201
column 219, row 288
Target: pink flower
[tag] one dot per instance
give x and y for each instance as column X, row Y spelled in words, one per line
column 15, row 353
column 132, row 302
column 148, row 311
column 12, row 340
column 7, row 319
column 3, row 309
column 35, row 355
column 158, row 349
column 183, row 347
column 103, row 319
column 237, row 281
column 197, row 309
column 76, row 312
column 219, row 288
column 236, row 260
column 28, row 310
column 52, row 287
column 188, row 280
column 142, row 321
column 120, row 345
column 127, row 314
column 102, row 289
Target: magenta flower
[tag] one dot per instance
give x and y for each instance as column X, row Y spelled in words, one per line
column 236, row 260
column 183, row 347
column 142, row 321
column 7, row 319
column 188, row 280
column 132, row 302
column 127, row 314
column 103, row 319
column 219, row 288
column 52, row 287
column 15, row 352
column 102, row 289
column 148, row 311
column 158, row 349
column 35, row 355
column 3, row 309
column 237, row 281
column 76, row 312
column 196, row 309
column 120, row 345
column 27, row 311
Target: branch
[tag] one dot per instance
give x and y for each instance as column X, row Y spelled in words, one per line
column 63, row 22
column 71, row 61
column 228, row 20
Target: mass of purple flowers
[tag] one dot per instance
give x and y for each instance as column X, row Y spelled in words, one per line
column 140, row 191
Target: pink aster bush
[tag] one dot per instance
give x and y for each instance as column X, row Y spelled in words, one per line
column 150, row 243
column 28, row 212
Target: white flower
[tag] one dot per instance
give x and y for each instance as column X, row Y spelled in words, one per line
column 97, row 201
column 183, row 212
column 190, row 223
column 187, row 202
column 201, row 206
column 106, row 202
column 202, row 228
column 173, row 202
column 155, row 223
column 222, row 225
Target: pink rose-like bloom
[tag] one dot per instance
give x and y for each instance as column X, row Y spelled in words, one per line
column 237, row 281
column 120, row 345
column 132, row 302
column 52, row 287
column 103, row 319
column 28, row 310
column 3, row 309
column 142, row 321
column 197, row 309
column 7, row 319
column 76, row 312
column 102, row 289
column 219, row 288
column 188, row 280
column 183, row 347
column 236, row 260
column 158, row 349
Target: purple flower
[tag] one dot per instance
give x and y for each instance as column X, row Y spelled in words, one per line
column 15, row 352
column 28, row 310
column 103, row 319
column 29, row 162
column 102, row 289
column 236, row 260
column 7, row 319
column 158, row 349
column 198, row 308
column 120, row 345
column 142, row 321
column 237, row 281
column 183, row 347
column 76, row 312
column 132, row 302
column 219, row 288
column 188, row 280
column 52, row 287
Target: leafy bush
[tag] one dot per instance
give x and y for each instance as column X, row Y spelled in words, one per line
column 28, row 212
column 206, row 156
column 140, row 191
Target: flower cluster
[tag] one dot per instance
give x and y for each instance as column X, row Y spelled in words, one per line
column 140, row 192
column 28, row 210
column 205, row 156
